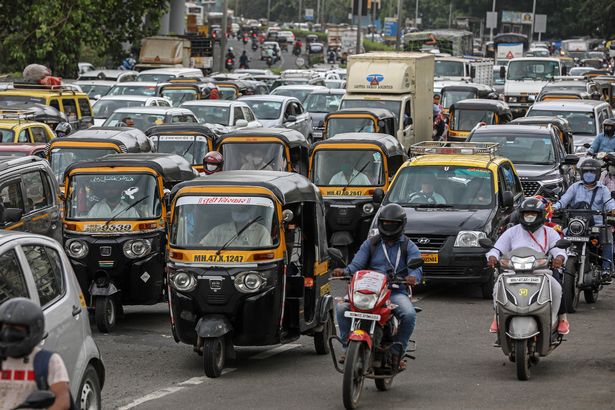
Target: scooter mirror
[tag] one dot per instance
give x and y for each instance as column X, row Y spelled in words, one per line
column 563, row 244
column 416, row 263
column 485, row 243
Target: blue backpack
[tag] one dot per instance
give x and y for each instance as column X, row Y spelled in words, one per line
column 41, row 371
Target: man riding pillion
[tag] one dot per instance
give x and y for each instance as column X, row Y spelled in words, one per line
column 384, row 253
column 605, row 141
column 590, row 193
column 531, row 232
column 212, row 162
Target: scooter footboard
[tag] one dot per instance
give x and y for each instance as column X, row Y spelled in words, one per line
column 522, row 327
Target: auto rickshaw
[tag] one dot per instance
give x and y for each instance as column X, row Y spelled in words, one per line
column 352, row 171
column 373, row 120
column 92, row 143
column 191, row 141
column 450, row 94
column 181, row 90
column 561, row 124
column 248, row 264
column 464, row 115
column 115, row 228
column 233, row 89
column 606, row 85
column 269, row 149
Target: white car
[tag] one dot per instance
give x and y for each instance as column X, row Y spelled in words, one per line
column 119, row 76
column 253, row 71
column 299, row 91
column 223, row 116
column 105, row 106
column 145, row 117
column 95, row 88
column 134, row 88
column 36, row 267
column 163, row 75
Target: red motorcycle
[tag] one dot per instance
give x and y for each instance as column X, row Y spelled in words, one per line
column 371, row 334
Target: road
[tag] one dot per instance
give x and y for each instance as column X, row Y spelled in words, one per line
column 289, row 61
column 456, row 365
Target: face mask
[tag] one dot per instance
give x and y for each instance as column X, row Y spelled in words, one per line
column 529, row 218
column 589, row 177
column 12, row 335
column 212, row 167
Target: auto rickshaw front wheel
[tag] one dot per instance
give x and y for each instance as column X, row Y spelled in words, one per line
column 105, row 313
column 214, row 355
column 321, row 339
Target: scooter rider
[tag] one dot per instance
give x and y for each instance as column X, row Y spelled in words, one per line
column 590, row 193
column 383, row 253
column 212, row 162
column 605, row 141
column 531, row 232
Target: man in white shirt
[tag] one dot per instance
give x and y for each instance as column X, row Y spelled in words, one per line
column 254, row 236
column 427, row 195
column 112, row 204
column 349, row 176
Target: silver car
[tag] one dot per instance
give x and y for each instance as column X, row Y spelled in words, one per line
column 36, row 267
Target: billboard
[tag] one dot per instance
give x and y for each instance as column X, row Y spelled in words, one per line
column 516, row 17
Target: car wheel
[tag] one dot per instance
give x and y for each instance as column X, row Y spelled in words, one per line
column 89, row 391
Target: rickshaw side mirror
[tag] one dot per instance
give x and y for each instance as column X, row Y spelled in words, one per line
column 485, row 243
column 416, row 263
column 571, row 159
column 62, row 196
column 502, row 72
column 287, row 215
column 507, row 199
column 378, row 196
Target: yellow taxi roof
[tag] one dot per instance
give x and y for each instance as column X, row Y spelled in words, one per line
column 478, row 160
column 42, row 93
column 10, row 124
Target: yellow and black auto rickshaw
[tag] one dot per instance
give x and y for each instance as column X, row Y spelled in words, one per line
column 376, row 120
column 190, row 141
column 268, row 149
column 233, row 89
column 248, row 264
column 560, row 124
column 464, row 115
column 353, row 172
column 180, row 90
column 115, row 228
column 450, row 94
column 606, row 85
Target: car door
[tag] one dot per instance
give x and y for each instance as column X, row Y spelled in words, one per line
column 250, row 117
column 304, row 122
column 41, row 213
column 237, row 115
column 12, row 196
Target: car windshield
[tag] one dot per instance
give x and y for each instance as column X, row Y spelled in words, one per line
column 178, row 97
column 393, row 106
column 451, row 97
column 193, row 148
column 339, row 125
column 93, row 90
column 465, row 120
column 301, row 95
column 445, row 68
column 323, row 103
column 360, row 167
column 443, row 185
column 110, row 195
column 8, row 100
column 260, row 156
column 61, row 158
column 521, row 149
column 265, row 110
column 540, row 70
column 140, row 121
column 154, row 78
column 582, row 123
column 104, row 108
column 211, row 222
column 13, row 153
column 7, row 136
column 210, row 114
column 227, row 93
column 148, row 90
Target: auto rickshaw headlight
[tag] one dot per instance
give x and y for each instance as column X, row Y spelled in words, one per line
column 76, row 249
column 183, row 281
column 249, row 282
column 137, row 248
column 368, row 208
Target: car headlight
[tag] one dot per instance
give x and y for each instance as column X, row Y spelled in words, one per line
column 512, row 99
column 183, row 281
column 368, row 208
column 552, row 181
column 469, row 239
column 576, row 227
column 137, row 248
column 364, row 301
column 523, row 263
column 250, row 282
column 372, row 232
column 76, row 249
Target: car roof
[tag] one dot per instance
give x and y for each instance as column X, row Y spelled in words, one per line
column 143, row 98
column 136, row 83
column 544, row 119
column 7, row 162
column 107, row 73
column 12, row 123
column 530, row 130
column 567, row 105
column 213, row 103
column 177, row 70
column 153, row 110
column 566, row 83
column 330, row 91
column 8, row 236
column 299, row 87
column 94, row 82
column 267, row 97
column 466, row 86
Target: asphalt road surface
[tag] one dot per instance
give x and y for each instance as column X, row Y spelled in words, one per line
column 288, row 61
column 456, row 365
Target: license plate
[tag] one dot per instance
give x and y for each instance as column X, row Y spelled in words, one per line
column 359, row 315
column 577, row 238
column 430, row 257
column 522, row 280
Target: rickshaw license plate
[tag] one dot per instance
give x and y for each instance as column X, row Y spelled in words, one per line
column 577, row 238
column 523, row 279
column 359, row 315
column 430, row 257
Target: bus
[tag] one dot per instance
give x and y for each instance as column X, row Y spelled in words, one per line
column 457, row 43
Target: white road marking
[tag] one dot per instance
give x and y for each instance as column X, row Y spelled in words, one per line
column 276, row 350
column 201, row 379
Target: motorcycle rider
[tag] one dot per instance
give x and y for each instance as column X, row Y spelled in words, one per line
column 531, row 232
column 243, row 60
column 212, row 162
column 63, row 129
column 298, row 47
column 590, row 193
column 383, row 253
column 22, row 326
column 605, row 141
column 608, row 175
column 230, row 54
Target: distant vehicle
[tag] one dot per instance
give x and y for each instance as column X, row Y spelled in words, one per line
column 85, row 67
column 104, row 107
column 298, row 91
column 134, row 88
column 146, row 117
column 320, row 103
column 579, row 71
column 95, row 88
column 109, row 75
column 162, row 75
column 223, row 116
column 277, row 111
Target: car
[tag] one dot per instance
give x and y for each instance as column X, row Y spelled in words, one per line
column 589, row 89
column 29, row 196
column 288, row 35
column 109, row 75
column 300, row 91
column 134, row 88
column 95, row 88
column 145, row 117
column 537, row 153
column 320, row 103
column 22, row 150
column 253, row 71
column 537, row 52
column 22, row 131
column 163, row 75
column 277, row 111
column 335, row 84
column 36, row 267
column 85, row 67
column 223, row 116
column 580, row 71
column 270, row 44
column 107, row 105
column 585, row 117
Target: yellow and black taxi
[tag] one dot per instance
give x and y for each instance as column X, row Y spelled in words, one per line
column 75, row 105
column 115, row 228
column 464, row 115
column 375, row 120
column 351, row 170
column 180, row 90
column 454, row 194
column 264, row 149
column 248, row 264
column 34, row 112
column 191, row 141
column 450, row 94
column 19, row 129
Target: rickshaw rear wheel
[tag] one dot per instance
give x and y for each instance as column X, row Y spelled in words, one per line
column 105, row 313
column 214, row 355
column 321, row 339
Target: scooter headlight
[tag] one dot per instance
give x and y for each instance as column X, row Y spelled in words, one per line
column 576, row 227
column 76, row 249
column 250, row 282
column 183, row 281
column 137, row 248
column 523, row 263
column 364, row 301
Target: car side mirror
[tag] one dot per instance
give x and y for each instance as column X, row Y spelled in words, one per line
column 507, row 199
column 241, row 123
column 416, row 263
column 12, row 215
column 485, row 243
column 40, row 399
column 563, row 244
column 502, row 72
column 378, row 196
column 571, row 159
column 587, row 145
column 291, row 118
column 97, row 97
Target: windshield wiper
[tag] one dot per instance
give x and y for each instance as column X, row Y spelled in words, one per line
column 239, row 232
column 189, row 148
column 126, row 209
column 355, row 175
column 267, row 164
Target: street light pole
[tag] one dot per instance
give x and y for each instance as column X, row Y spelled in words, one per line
column 491, row 29
column 268, row 10
column 223, row 38
column 533, row 18
column 360, row 12
column 398, row 41
column 416, row 14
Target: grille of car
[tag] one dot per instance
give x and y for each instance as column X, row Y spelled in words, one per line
column 436, row 270
column 530, row 188
column 428, row 242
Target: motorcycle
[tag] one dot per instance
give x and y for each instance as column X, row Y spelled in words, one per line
column 254, row 45
column 245, row 41
column 269, row 61
column 372, row 332
column 297, row 51
column 527, row 326
column 230, row 64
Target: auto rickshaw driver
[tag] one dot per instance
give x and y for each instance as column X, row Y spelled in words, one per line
column 262, row 159
column 349, row 174
column 245, row 229
column 112, row 204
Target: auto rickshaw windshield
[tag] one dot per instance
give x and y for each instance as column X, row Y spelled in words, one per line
column 178, row 97
column 211, row 222
column 258, row 156
column 190, row 147
column 339, row 125
column 361, row 167
column 105, row 196
column 451, row 97
column 465, row 120
column 61, row 158
column 227, row 93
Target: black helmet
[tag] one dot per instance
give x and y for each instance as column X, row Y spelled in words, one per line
column 23, row 312
column 63, row 129
column 391, row 222
column 590, row 171
column 532, row 205
column 609, row 127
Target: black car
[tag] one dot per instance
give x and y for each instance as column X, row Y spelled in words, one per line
column 537, row 153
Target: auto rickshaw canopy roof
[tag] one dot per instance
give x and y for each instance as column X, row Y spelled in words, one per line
column 379, row 113
column 127, row 139
column 387, row 143
column 497, row 106
column 183, row 129
column 482, row 90
column 292, row 138
column 288, row 187
column 37, row 112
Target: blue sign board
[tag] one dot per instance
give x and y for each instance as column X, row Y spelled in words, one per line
column 390, row 28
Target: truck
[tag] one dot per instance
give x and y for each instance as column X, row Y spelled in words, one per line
column 399, row 82
column 191, row 50
column 343, row 38
column 462, row 69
